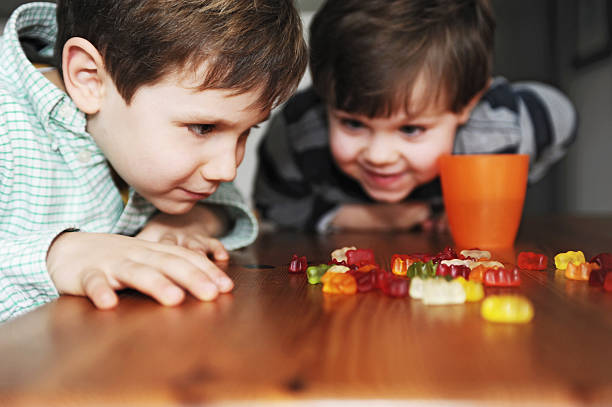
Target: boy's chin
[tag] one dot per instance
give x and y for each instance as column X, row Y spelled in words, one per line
column 174, row 208
column 388, row 196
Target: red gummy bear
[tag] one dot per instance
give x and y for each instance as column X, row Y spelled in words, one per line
column 532, row 261
column 501, row 277
column 298, row 264
column 454, row 270
column 360, row 257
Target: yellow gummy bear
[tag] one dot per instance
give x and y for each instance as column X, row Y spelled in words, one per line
column 473, row 289
column 507, row 308
column 562, row 259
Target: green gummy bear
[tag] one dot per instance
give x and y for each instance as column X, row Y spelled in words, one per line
column 315, row 273
column 422, row 270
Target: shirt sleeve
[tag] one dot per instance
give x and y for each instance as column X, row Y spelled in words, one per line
column 24, row 280
column 525, row 117
column 245, row 228
column 552, row 119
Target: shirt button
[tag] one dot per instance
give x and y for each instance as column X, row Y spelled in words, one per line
column 84, row 156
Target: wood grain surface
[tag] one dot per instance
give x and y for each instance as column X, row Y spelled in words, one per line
column 276, row 339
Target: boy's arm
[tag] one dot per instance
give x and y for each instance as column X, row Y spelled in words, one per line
column 224, row 216
column 381, row 216
column 229, row 208
column 552, row 119
column 24, row 281
column 527, row 118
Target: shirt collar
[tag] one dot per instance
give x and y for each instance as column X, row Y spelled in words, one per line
column 50, row 103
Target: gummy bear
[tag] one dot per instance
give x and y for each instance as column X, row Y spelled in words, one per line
column 423, row 270
column 501, row 277
column 581, row 271
column 507, row 308
column 336, row 268
column 473, row 290
column 532, row 261
column 366, row 281
column 314, row 273
column 452, row 270
column 438, row 291
column 360, row 257
column 607, row 285
column 339, row 255
column 476, row 254
column 400, row 263
column 416, row 288
column 339, row 283
column 597, row 277
column 561, row 259
column 477, row 273
column 604, row 260
column 394, row 286
column 447, row 253
column 298, row 264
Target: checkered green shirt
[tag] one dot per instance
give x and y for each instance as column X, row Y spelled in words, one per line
column 54, row 177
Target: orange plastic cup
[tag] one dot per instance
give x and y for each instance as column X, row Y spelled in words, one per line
column 483, row 197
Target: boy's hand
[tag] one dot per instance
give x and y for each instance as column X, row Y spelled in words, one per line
column 436, row 224
column 192, row 230
column 382, row 216
column 97, row 264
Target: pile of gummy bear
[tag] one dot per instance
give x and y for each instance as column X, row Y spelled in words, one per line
column 448, row 277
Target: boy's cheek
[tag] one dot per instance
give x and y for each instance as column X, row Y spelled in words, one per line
column 343, row 149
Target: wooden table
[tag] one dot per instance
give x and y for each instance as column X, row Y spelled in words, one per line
column 279, row 339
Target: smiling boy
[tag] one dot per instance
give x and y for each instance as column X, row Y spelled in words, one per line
column 153, row 100
column 396, row 84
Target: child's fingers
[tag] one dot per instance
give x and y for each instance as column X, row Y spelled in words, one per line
column 208, row 245
column 168, row 238
column 203, row 282
column 437, row 224
column 148, row 279
column 418, row 213
column 442, row 224
column 204, row 266
column 97, row 288
column 427, row 225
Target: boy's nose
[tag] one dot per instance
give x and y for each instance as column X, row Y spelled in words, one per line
column 221, row 167
column 381, row 151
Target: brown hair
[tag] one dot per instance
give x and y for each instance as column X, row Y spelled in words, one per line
column 244, row 43
column 366, row 55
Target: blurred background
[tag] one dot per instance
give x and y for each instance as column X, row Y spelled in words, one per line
column 565, row 43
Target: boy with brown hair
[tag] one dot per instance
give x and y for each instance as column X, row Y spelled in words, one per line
column 396, row 84
column 155, row 98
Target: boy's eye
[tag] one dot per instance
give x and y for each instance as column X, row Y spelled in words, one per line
column 352, row 124
column 412, row 130
column 201, row 129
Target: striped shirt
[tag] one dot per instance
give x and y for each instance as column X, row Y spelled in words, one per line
column 53, row 176
column 299, row 186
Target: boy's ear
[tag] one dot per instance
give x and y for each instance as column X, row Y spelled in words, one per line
column 84, row 74
column 467, row 110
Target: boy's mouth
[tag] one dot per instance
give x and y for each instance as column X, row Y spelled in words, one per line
column 383, row 180
column 194, row 195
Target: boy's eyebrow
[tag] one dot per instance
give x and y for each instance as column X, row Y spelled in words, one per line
column 196, row 117
column 430, row 117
